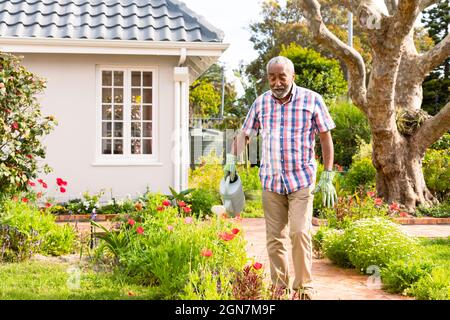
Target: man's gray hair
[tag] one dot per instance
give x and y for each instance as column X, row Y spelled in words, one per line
column 281, row 60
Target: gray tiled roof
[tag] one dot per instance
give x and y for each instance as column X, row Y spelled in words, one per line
column 157, row 20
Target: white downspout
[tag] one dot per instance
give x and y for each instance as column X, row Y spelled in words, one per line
column 176, row 147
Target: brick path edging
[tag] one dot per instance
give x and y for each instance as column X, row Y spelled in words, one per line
column 406, row 221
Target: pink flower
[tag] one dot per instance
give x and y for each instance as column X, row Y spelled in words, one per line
column 170, row 228
column 181, row 203
column 188, row 220
column 394, row 206
column 40, row 181
column 235, row 231
column 140, row 230
column 206, row 253
column 378, row 201
column 131, row 222
column 257, row 265
column 166, row 203
column 187, row 209
column 225, row 236
column 370, row 194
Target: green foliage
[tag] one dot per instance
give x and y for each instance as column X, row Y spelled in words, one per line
column 443, row 143
column 361, row 175
column 204, row 99
column 434, row 286
column 377, row 241
column 351, row 127
column 315, row 72
column 55, row 239
column 202, row 200
column 436, row 170
column 250, row 178
column 208, row 174
column 441, row 210
column 253, row 209
column 22, row 126
column 206, row 284
column 16, row 245
column 335, row 247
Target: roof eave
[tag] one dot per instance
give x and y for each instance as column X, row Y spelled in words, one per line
column 100, row 46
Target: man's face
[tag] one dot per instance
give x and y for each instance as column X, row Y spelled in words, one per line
column 280, row 80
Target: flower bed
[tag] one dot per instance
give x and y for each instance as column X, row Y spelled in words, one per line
column 405, row 221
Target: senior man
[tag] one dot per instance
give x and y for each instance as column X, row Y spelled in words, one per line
column 288, row 117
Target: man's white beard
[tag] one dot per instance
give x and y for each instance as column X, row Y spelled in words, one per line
column 283, row 94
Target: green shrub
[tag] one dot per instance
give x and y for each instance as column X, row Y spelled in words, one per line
column 434, row 286
column 443, row 143
column 361, row 175
column 253, row 209
column 202, row 200
column 208, row 174
column 17, row 246
column 441, row 210
column 436, row 170
column 334, row 247
column 250, row 178
column 351, row 127
column 55, row 239
column 400, row 275
column 377, row 241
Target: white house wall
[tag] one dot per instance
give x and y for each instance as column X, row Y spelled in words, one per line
column 70, row 96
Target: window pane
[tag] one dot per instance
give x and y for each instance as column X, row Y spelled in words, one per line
column 106, row 146
column 106, row 78
column 136, row 96
column 118, row 95
column 147, row 129
column 135, row 146
column 147, row 79
column 118, row 146
column 106, row 112
column 118, row 129
column 118, row 112
column 136, row 112
column 136, row 129
column 118, row 78
column 147, row 146
column 147, row 111
column 106, row 129
column 136, row 78
column 106, row 95
column 147, row 95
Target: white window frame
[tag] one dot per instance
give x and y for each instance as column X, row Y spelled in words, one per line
column 126, row 159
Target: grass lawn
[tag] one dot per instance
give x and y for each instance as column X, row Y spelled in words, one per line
column 438, row 250
column 36, row 280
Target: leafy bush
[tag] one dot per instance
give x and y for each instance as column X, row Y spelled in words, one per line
column 16, row 245
column 316, row 72
column 202, row 200
column 361, row 175
column 55, row 239
column 352, row 127
column 334, row 247
column 436, row 170
column 208, row 174
column 250, row 178
column 377, row 241
column 441, row 210
column 253, row 209
column 443, row 143
column 434, row 286
column 21, row 125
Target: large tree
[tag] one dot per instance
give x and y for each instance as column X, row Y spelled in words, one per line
column 394, row 88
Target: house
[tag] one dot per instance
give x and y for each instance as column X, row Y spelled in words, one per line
column 118, row 75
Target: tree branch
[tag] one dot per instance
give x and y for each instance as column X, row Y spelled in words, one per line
column 433, row 58
column 433, row 129
column 351, row 57
column 426, row 3
column 404, row 18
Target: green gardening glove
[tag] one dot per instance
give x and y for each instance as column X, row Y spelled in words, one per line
column 230, row 166
column 329, row 196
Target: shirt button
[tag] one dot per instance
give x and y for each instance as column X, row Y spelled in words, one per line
column 282, row 160
column 283, row 171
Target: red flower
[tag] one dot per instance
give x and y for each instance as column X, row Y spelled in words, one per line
column 15, row 125
column 181, row 203
column 187, row 209
column 403, row 214
column 40, row 181
column 48, row 205
column 378, row 201
column 140, row 230
column 206, row 253
column 131, row 222
column 225, row 236
column 166, row 203
column 29, row 156
column 370, row 194
column 235, row 231
column 44, row 185
column 394, row 206
column 24, row 199
column 257, row 265
column 60, row 182
column 62, row 190
column 160, row 208
column 31, row 183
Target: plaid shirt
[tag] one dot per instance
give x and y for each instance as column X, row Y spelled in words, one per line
column 288, row 130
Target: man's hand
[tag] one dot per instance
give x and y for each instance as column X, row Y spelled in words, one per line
column 329, row 196
column 230, row 166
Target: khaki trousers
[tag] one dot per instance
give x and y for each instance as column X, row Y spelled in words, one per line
column 294, row 209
